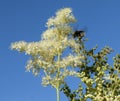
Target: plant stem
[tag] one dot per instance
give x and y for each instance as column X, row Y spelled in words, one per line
column 58, row 83
column 58, row 75
column 58, row 95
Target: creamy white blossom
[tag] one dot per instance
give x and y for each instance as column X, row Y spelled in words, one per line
column 46, row 53
column 63, row 16
column 20, row 46
column 70, row 60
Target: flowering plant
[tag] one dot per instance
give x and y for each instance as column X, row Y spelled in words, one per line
column 101, row 81
column 46, row 54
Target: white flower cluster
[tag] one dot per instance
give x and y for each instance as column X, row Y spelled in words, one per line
column 63, row 16
column 20, row 46
column 70, row 60
column 55, row 39
column 104, row 98
column 61, row 31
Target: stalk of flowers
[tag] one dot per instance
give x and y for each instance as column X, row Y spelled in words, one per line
column 46, row 54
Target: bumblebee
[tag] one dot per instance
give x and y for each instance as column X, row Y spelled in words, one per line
column 79, row 34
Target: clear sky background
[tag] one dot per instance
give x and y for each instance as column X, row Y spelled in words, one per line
column 25, row 20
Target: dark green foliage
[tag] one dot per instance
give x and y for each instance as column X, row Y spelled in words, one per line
column 101, row 79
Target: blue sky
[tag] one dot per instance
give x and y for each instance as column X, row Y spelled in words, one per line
column 25, row 20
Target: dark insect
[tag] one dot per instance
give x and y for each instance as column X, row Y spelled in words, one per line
column 79, row 34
